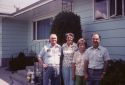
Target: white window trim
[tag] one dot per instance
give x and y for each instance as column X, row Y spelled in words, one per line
column 123, row 7
column 93, row 1
column 36, row 21
column 108, row 10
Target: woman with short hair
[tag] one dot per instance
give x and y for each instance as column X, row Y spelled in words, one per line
column 68, row 49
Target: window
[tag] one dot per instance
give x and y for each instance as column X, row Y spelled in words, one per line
column 100, row 9
column 112, row 8
column 109, row 8
column 119, row 7
column 34, row 30
column 116, row 8
column 42, row 29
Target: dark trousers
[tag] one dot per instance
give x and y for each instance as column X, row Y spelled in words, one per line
column 94, row 76
column 79, row 80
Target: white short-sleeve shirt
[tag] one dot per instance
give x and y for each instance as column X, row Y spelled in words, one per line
column 51, row 55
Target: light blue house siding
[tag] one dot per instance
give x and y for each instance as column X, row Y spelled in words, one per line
column 112, row 31
column 17, row 35
column 14, row 38
column 0, row 40
column 49, row 10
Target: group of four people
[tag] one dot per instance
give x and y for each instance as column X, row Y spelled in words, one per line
column 79, row 66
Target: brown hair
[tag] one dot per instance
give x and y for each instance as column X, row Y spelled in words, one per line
column 83, row 41
column 69, row 34
column 95, row 33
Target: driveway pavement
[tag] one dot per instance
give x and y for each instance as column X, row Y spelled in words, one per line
column 5, row 77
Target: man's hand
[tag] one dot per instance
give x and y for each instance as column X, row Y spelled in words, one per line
column 73, row 77
column 45, row 65
column 86, row 76
column 103, row 74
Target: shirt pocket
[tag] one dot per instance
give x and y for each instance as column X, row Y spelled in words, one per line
column 99, row 57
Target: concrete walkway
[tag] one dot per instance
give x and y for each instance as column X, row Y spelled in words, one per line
column 5, row 77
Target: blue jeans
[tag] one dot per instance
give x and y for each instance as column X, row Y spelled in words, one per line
column 94, row 76
column 67, row 75
column 49, row 74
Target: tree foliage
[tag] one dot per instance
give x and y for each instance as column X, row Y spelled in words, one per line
column 115, row 74
column 65, row 22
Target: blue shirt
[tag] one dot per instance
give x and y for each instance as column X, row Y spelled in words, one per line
column 96, row 57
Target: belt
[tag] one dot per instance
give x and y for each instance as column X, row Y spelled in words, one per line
column 53, row 65
column 95, row 69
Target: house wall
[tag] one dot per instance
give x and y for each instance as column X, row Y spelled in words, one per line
column 14, row 38
column 34, row 46
column 0, row 40
column 49, row 10
column 111, row 30
column 17, row 35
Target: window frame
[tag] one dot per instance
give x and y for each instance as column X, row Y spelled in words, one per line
column 35, row 28
column 108, row 10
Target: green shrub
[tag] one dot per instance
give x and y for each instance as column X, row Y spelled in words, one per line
column 65, row 22
column 21, row 61
column 115, row 74
column 18, row 63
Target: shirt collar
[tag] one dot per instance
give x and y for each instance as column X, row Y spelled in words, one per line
column 56, row 45
column 99, row 47
column 70, row 45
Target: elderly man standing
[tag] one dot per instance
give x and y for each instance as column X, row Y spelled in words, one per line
column 96, row 61
column 49, row 58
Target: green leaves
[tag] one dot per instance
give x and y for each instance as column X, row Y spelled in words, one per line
column 115, row 74
column 65, row 22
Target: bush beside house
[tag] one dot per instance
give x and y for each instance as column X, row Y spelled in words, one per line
column 21, row 61
column 115, row 74
column 65, row 22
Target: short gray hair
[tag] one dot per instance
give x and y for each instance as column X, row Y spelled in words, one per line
column 69, row 34
column 53, row 35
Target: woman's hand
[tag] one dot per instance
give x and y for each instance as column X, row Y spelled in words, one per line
column 45, row 65
column 73, row 77
column 86, row 76
column 103, row 74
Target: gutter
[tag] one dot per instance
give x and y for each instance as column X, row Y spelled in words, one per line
column 31, row 7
